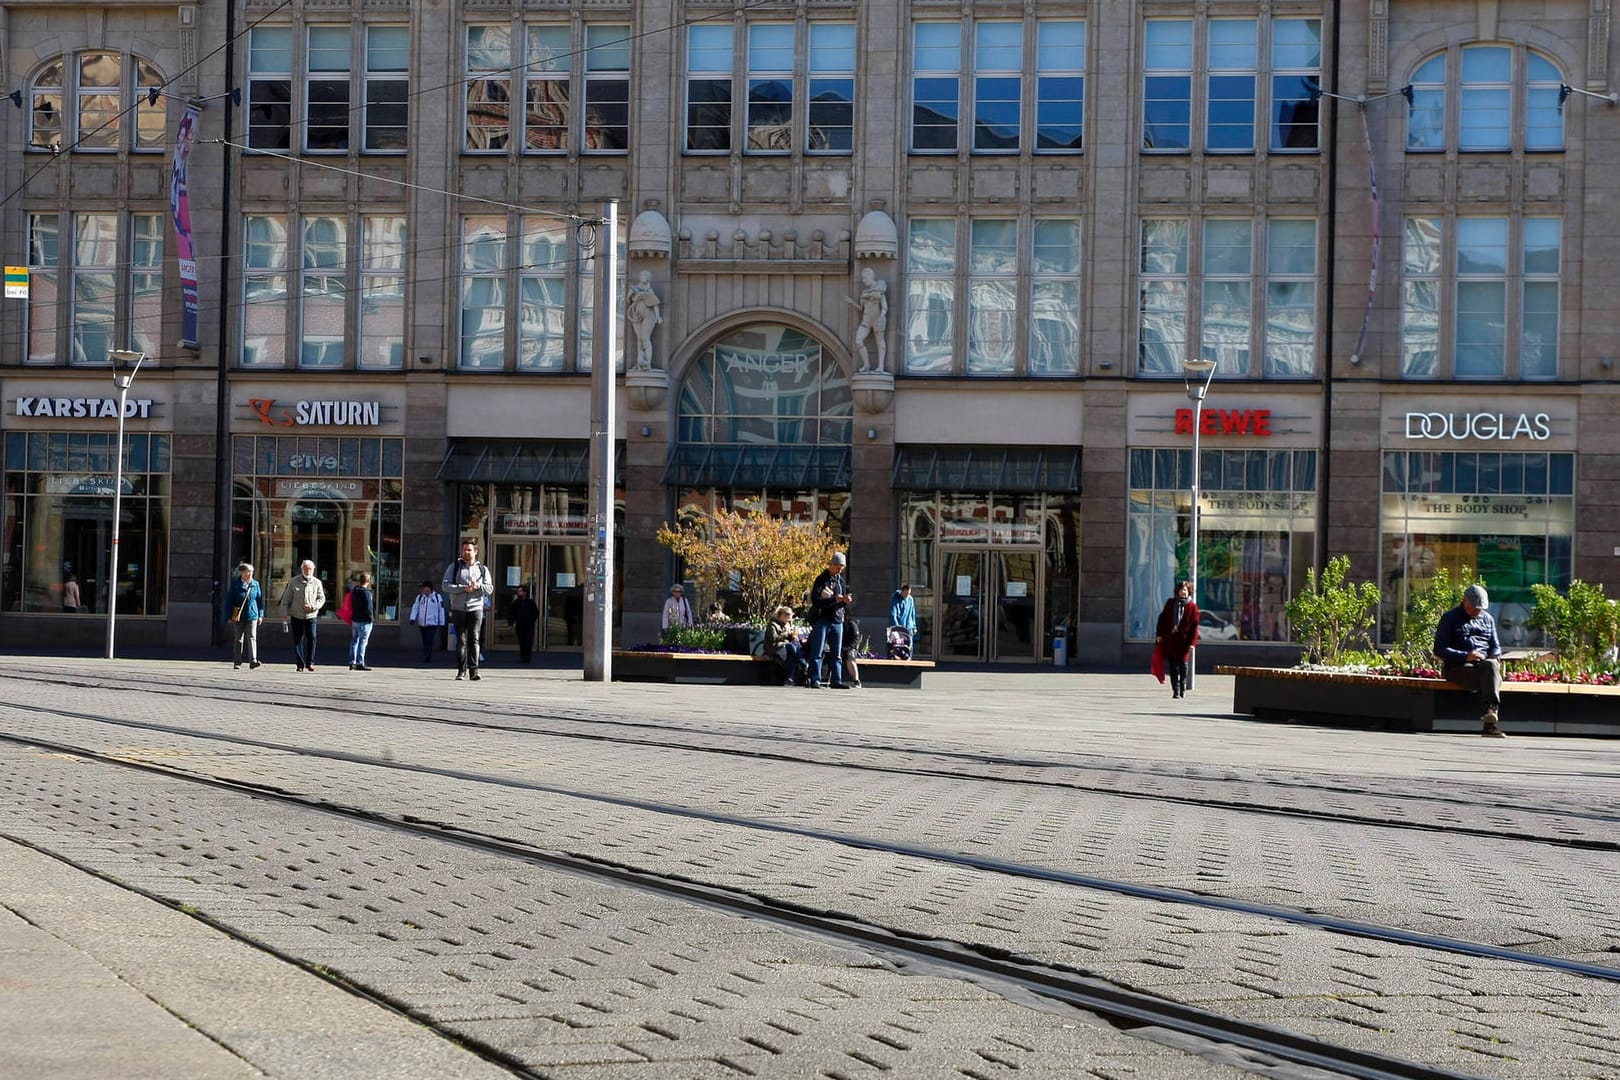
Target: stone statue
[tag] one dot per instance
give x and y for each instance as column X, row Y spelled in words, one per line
column 641, row 312
column 874, row 308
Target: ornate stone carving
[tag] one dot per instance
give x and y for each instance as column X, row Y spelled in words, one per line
column 642, row 315
column 873, row 305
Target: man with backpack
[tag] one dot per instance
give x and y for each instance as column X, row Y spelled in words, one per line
column 467, row 584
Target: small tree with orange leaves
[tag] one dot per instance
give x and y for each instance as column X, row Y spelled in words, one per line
column 768, row 561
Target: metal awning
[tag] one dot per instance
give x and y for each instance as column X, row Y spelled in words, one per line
column 1013, row 469
column 742, row 465
column 523, row 462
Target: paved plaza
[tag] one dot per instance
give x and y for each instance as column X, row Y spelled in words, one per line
column 208, row 872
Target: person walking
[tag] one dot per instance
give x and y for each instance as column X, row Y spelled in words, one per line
column 301, row 603
column 1176, row 635
column 677, row 612
column 829, row 596
column 245, row 600
column 70, row 594
column 1470, row 654
column 467, row 583
column 524, row 616
column 427, row 612
column 361, row 608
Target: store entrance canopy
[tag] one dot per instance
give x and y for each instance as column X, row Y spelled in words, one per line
column 1013, row 469
column 514, row 462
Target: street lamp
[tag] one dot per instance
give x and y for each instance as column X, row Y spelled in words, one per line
column 126, row 362
column 1197, row 375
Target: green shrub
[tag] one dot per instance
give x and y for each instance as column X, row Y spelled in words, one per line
column 712, row 638
column 1330, row 615
column 1584, row 624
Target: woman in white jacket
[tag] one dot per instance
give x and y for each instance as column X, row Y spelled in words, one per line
column 427, row 612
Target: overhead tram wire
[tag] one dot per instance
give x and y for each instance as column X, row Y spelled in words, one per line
column 58, row 156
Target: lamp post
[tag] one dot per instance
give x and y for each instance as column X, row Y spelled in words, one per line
column 122, row 359
column 1197, row 375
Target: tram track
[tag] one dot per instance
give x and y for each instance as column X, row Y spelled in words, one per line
column 789, row 748
column 1123, row 1007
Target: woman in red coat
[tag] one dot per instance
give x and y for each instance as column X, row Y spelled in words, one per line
column 1177, row 633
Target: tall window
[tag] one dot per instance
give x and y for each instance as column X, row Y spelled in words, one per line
column 1230, row 86
column 992, row 295
column 1296, row 78
column 322, row 295
column 264, row 290
column 381, row 340
column 146, row 282
column 91, row 115
column 546, row 111
column 584, row 104
column 1054, row 307
column 326, row 90
column 708, row 89
column 998, row 87
column 1167, row 85
column 1290, row 345
column 606, row 124
column 387, row 110
column 770, row 88
column 95, row 286
column 1060, row 84
column 483, row 293
column 44, row 286
column 1199, row 285
column 1497, row 311
column 999, row 81
column 930, row 295
column 543, row 296
column 489, row 88
column 270, row 65
column 831, row 120
column 1489, row 86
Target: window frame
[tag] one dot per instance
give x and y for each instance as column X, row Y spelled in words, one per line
column 262, row 82
column 43, row 315
column 1273, row 275
column 380, row 261
column 941, row 73
column 599, row 72
column 57, row 89
column 1056, row 73
column 147, row 235
column 1440, row 89
column 1165, row 70
column 759, row 74
column 712, row 77
column 494, row 74
column 988, row 73
column 103, row 268
column 817, row 72
column 1249, row 70
column 942, row 280
column 1310, row 75
column 375, row 78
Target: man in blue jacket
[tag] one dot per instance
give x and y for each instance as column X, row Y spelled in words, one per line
column 1470, row 654
column 829, row 596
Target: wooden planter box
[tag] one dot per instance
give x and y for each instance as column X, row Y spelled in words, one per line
column 1402, row 703
column 731, row 669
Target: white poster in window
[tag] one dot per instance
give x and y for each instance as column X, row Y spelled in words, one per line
column 964, row 585
column 565, row 581
column 1017, row 589
column 514, row 576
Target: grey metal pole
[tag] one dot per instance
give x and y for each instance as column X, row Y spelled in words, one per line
column 599, row 567
column 1196, row 391
column 122, row 381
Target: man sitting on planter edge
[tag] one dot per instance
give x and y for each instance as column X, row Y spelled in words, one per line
column 1469, row 652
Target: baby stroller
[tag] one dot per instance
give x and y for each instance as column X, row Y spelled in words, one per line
column 899, row 643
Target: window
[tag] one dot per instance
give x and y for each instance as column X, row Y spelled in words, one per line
column 1022, row 283
column 326, row 91
column 1489, row 85
column 999, row 81
column 708, row 89
column 1499, row 306
column 1296, row 77
column 586, row 307
column 264, row 290
column 1060, row 84
column 1167, row 85
column 1290, row 345
column 770, row 88
column 95, row 286
column 483, row 293
column 1054, row 308
column 381, row 341
column 270, row 68
column 1162, row 311
column 545, row 118
column 936, row 86
column 831, row 116
column 543, row 296
column 44, row 286
column 146, row 283
column 930, row 296
column 322, row 295
column 607, row 90
column 998, row 89
column 1230, row 87
column 1215, row 306
column 387, row 112
column 107, row 87
column 489, row 89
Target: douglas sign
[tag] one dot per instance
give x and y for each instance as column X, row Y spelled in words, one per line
column 1498, row 426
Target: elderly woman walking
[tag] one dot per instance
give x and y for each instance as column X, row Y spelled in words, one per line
column 1176, row 635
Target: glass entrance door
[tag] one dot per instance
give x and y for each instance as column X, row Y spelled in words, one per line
column 554, row 574
column 989, row 604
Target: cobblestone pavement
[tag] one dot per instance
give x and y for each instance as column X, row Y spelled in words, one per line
column 1107, row 783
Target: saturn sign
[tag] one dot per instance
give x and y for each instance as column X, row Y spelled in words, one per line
column 1498, row 426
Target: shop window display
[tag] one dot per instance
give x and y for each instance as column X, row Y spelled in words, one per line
column 58, row 523
column 1256, row 536
column 1509, row 516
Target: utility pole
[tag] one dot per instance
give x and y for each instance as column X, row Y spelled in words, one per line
column 603, row 235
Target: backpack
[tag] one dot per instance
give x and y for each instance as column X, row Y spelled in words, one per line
column 345, row 610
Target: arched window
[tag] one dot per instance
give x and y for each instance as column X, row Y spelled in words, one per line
column 1505, row 98
column 99, row 102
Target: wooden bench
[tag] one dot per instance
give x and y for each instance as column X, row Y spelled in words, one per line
column 734, row 669
column 1418, row 704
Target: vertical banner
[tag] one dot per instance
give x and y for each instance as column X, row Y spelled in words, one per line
column 180, row 204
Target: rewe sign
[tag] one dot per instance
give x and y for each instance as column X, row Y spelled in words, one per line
column 1226, row 422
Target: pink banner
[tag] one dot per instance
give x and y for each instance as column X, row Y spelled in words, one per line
column 180, row 204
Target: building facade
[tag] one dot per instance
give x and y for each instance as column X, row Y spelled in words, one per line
column 924, row 272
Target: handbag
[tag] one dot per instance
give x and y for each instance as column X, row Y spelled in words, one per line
column 236, row 616
column 346, row 609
